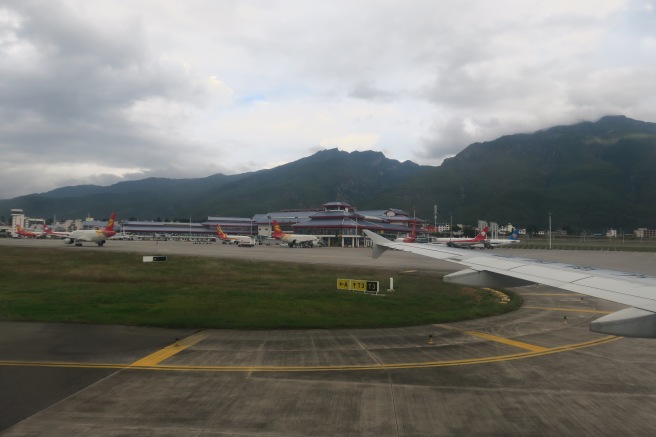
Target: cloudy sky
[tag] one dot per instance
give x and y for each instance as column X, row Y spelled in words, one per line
column 103, row 91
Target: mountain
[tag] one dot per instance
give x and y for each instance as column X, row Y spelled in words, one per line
column 329, row 175
column 590, row 175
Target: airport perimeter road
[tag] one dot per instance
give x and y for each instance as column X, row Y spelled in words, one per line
column 536, row 371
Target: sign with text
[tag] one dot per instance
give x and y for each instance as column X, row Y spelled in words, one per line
column 156, row 258
column 343, row 284
column 358, row 285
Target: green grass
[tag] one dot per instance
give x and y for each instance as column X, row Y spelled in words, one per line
column 589, row 243
column 194, row 292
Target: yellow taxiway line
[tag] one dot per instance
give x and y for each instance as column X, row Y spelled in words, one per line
column 550, row 294
column 492, row 359
column 163, row 354
column 496, row 338
column 573, row 310
column 150, row 362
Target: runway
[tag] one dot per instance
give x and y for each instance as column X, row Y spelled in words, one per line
column 537, row 371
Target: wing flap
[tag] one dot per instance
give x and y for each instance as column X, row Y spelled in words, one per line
column 482, row 278
column 547, row 272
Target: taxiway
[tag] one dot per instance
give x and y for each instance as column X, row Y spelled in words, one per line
column 536, row 371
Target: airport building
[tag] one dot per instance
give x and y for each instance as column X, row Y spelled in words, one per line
column 645, row 233
column 337, row 223
column 18, row 218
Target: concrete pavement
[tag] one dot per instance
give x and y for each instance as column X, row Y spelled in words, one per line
column 536, row 371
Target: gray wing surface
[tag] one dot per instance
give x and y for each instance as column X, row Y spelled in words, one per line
column 487, row 270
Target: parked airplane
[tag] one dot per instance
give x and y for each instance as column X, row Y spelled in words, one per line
column 491, row 243
column 496, row 242
column 240, row 240
column 97, row 236
column 464, row 242
column 52, row 233
column 488, row 270
column 22, row 232
column 294, row 239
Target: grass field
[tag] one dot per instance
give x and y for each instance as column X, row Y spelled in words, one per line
column 195, row 292
column 589, row 243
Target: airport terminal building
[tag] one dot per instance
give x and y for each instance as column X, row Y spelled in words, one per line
column 337, row 223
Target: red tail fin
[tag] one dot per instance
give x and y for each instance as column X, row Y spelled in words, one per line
column 109, row 229
column 23, row 232
column 110, row 223
column 481, row 235
column 219, row 232
column 277, row 230
column 413, row 235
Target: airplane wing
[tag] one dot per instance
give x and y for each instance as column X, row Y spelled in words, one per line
column 486, row 270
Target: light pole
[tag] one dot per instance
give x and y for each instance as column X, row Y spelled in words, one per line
column 451, row 225
column 550, row 230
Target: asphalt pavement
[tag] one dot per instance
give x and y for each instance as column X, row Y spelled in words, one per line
column 536, row 371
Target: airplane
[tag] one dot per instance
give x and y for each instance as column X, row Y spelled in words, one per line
column 25, row 233
column 487, row 270
column 491, row 243
column 477, row 241
column 410, row 238
column 52, row 233
column 240, row 240
column 294, row 239
column 97, row 236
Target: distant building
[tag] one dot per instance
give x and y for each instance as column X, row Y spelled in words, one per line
column 17, row 219
column 337, row 223
column 645, row 233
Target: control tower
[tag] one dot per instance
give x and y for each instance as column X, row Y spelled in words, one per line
column 17, row 218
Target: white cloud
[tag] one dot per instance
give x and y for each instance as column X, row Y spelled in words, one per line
column 179, row 89
column 352, row 143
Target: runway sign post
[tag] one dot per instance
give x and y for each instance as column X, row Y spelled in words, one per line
column 156, row 258
column 361, row 285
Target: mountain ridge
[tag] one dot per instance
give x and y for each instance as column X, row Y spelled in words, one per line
column 588, row 175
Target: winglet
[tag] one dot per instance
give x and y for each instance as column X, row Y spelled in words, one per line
column 378, row 250
column 380, row 243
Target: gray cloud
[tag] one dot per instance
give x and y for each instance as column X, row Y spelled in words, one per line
column 106, row 91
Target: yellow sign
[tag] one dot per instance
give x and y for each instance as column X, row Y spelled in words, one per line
column 358, row 285
column 343, row 284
